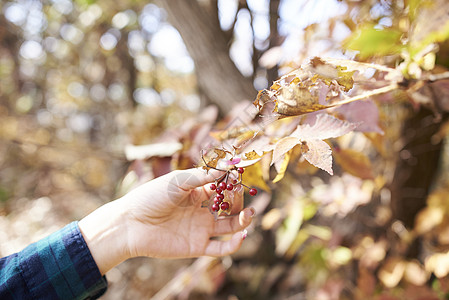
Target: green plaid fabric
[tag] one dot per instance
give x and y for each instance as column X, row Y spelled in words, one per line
column 59, row 266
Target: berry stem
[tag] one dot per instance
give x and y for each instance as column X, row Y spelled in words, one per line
column 244, row 185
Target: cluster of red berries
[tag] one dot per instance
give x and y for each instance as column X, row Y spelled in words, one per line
column 220, row 186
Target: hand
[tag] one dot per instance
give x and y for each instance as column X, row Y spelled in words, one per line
column 164, row 218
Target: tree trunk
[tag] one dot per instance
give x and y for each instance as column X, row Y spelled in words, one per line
column 417, row 166
column 275, row 40
column 218, row 77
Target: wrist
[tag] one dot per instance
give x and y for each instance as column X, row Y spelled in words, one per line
column 104, row 231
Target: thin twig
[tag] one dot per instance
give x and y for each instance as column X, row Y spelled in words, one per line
column 368, row 94
column 436, row 77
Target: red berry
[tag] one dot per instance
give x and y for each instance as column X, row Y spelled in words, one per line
column 235, row 181
column 229, row 187
column 217, row 200
column 252, row 192
column 215, row 207
column 222, row 185
column 213, row 186
column 220, row 197
column 240, row 170
column 224, row 205
column 219, row 191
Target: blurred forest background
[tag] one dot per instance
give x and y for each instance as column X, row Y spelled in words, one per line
column 83, row 82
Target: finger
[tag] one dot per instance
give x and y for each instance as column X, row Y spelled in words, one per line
column 222, row 248
column 234, row 223
column 192, row 178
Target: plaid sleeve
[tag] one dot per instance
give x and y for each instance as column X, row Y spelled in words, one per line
column 59, row 266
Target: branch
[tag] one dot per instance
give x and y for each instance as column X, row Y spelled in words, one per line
column 368, row 94
column 436, row 77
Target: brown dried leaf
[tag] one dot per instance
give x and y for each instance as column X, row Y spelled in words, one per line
column 212, row 163
column 295, row 100
column 252, row 155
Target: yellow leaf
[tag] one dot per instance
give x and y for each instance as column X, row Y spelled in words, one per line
column 282, row 168
column 254, row 177
column 345, row 78
column 252, row 155
column 295, row 100
column 354, row 162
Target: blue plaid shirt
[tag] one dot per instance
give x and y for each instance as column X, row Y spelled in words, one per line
column 59, row 266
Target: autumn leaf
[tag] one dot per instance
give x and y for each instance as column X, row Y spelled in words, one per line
column 283, row 146
column 281, row 167
column 325, row 127
column 364, row 112
column 313, row 148
column 295, row 100
column 321, row 84
column 329, row 72
column 212, row 163
column 252, row 155
column 254, row 177
column 319, row 154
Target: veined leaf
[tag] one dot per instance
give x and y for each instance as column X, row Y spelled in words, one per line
column 319, row 154
column 325, row 127
column 310, row 137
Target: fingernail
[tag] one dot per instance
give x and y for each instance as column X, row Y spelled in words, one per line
column 249, row 213
column 253, row 211
column 244, row 234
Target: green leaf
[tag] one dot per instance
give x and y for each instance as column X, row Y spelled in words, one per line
column 370, row 41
